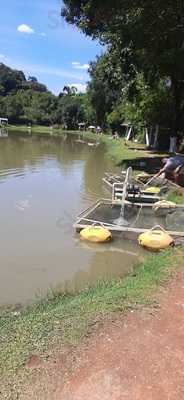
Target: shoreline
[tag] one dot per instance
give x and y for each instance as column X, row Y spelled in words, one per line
column 117, row 150
column 65, row 319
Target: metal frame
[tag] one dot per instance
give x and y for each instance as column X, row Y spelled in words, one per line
column 115, row 179
column 129, row 232
column 152, row 198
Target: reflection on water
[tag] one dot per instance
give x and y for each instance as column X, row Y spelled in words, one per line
column 44, row 183
column 3, row 132
column 107, row 261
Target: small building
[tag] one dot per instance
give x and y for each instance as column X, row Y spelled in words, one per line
column 3, row 122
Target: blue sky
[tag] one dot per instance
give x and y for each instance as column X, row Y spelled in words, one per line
column 35, row 39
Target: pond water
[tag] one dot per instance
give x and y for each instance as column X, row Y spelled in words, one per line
column 44, row 183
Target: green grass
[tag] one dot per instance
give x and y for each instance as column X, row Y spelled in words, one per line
column 119, row 151
column 62, row 319
column 175, row 196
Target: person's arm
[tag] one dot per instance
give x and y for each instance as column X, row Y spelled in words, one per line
column 168, row 167
column 162, row 170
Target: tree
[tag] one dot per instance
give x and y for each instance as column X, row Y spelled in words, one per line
column 34, row 85
column 71, row 111
column 152, row 31
column 105, row 86
column 32, row 79
column 42, row 108
column 13, row 107
column 70, row 90
column 3, row 112
column 88, row 111
column 24, row 100
column 147, row 104
column 10, row 80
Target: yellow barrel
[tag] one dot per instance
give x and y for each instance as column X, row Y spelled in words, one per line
column 96, row 234
column 152, row 189
column 155, row 240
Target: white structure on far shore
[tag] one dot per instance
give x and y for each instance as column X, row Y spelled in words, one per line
column 3, row 122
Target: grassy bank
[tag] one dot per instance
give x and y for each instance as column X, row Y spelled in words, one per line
column 118, row 150
column 63, row 319
column 175, row 196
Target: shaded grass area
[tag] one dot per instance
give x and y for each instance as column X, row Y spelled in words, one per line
column 175, row 196
column 117, row 150
column 65, row 319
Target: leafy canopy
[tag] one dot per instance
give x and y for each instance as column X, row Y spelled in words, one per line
column 147, row 35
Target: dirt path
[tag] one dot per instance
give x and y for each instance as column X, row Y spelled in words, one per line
column 138, row 357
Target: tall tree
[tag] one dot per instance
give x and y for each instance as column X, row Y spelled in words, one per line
column 152, row 30
column 69, row 90
column 105, row 86
column 70, row 110
column 13, row 107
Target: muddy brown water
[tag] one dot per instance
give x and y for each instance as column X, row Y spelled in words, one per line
column 44, row 183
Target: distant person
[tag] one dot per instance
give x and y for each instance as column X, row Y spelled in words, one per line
column 115, row 135
column 99, row 130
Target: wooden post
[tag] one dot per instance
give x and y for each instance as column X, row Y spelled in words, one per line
column 172, row 148
column 156, row 137
column 129, row 133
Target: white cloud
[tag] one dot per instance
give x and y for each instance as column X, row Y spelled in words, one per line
column 78, row 65
column 79, row 86
column 29, row 30
column 25, row 29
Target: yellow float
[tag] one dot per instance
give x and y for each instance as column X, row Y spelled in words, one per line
column 155, row 239
column 152, row 189
column 96, row 234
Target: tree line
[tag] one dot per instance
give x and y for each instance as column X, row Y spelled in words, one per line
column 28, row 101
